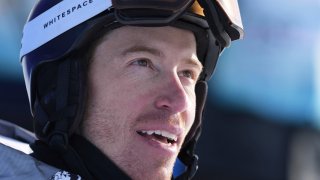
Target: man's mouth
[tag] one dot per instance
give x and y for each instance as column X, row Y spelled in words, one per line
column 160, row 136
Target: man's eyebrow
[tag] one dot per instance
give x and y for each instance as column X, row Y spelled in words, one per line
column 141, row 48
column 156, row 52
column 195, row 62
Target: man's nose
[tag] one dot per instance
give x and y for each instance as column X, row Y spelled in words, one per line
column 172, row 95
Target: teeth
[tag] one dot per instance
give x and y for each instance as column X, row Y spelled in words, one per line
column 162, row 133
column 149, row 132
column 169, row 135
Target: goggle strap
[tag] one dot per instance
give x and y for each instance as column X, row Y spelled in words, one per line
column 216, row 26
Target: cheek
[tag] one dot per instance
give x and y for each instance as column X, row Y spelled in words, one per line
column 124, row 101
column 103, row 90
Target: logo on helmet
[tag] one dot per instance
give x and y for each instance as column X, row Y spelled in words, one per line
column 67, row 12
column 57, row 20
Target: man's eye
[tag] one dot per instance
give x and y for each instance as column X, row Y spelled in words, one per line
column 142, row 62
column 187, row 74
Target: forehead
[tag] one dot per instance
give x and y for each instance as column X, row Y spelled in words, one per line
column 155, row 37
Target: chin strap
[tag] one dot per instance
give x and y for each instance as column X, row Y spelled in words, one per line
column 187, row 154
column 190, row 159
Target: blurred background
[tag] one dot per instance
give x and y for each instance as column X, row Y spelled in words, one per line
column 263, row 112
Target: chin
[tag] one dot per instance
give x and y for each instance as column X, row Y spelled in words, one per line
column 160, row 175
column 162, row 172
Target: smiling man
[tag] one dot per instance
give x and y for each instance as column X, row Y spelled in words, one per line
column 117, row 88
column 141, row 101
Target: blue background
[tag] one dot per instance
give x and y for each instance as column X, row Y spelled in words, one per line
column 265, row 87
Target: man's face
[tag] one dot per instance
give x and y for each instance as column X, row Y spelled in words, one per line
column 141, row 101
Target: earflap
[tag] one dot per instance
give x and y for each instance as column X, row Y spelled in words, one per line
column 186, row 154
column 201, row 94
column 59, row 101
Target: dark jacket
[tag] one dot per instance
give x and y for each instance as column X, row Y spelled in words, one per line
column 82, row 158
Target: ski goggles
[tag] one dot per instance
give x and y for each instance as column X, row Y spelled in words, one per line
column 223, row 17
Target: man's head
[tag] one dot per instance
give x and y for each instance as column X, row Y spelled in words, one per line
column 129, row 75
column 141, row 99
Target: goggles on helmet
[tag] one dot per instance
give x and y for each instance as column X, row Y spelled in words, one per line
column 223, row 17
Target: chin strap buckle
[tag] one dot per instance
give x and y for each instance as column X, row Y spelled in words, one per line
column 191, row 161
column 59, row 141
